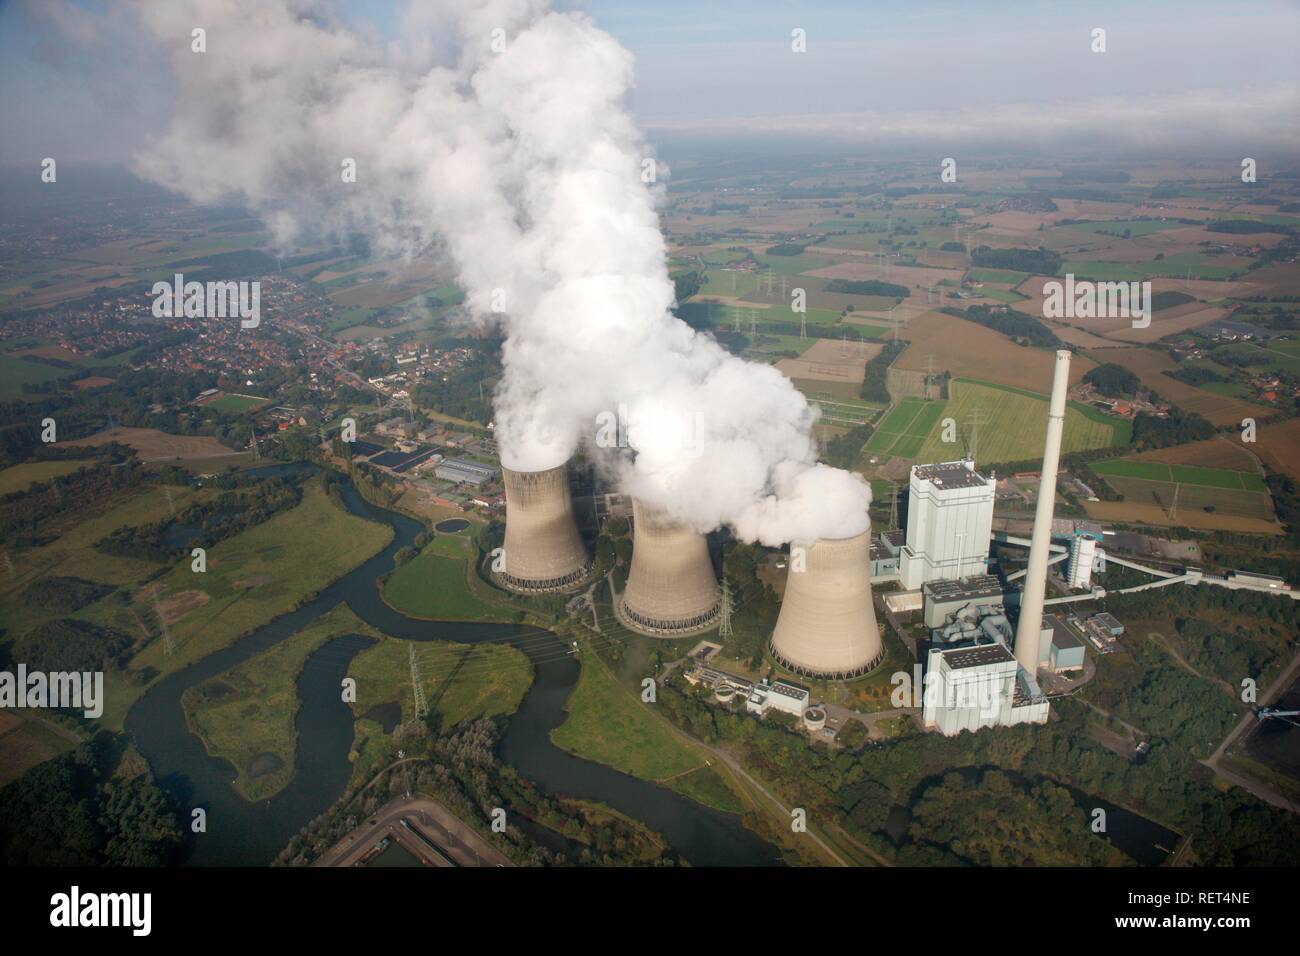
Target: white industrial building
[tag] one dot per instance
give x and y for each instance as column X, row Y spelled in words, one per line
column 1083, row 559
column 778, row 695
column 949, row 523
column 972, row 687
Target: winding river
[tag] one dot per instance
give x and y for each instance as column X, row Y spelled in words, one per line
column 243, row 833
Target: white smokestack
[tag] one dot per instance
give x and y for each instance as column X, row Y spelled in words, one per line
column 494, row 132
column 1030, row 626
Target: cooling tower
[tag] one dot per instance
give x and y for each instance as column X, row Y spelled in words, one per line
column 671, row 589
column 1029, row 627
column 543, row 550
column 827, row 626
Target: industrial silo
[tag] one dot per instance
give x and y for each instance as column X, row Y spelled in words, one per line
column 827, row 625
column 671, row 589
column 543, row 550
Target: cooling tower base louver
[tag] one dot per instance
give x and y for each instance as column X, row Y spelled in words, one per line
column 671, row 589
column 569, row 581
column 827, row 626
column 543, row 552
column 658, row 627
column 825, row 674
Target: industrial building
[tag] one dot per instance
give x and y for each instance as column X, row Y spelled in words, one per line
column 1060, row 647
column 972, row 687
column 973, row 679
column 827, row 625
column 949, row 522
column 543, row 550
column 466, row 472
column 671, row 588
column 1083, row 558
column 944, row 600
column 779, row 695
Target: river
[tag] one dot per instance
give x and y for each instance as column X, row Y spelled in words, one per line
column 243, row 833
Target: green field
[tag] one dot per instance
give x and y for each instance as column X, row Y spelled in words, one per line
column 434, row 585
column 246, row 714
column 608, row 723
column 1182, row 474
column 1005, row 296
column 998, row 423
column 236, row 403
column 999, row 276
column 20, row 477
column 260, row 574
column 1274, row 357
column 904, row 430
column 1136, row 227
column 1176, row 266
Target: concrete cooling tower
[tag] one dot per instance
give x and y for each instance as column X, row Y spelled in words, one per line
column 827, row 626
column 543, row 550
column 671, row 589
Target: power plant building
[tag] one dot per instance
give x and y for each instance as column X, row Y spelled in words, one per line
column 827, row 625
column 543, row 550
column 970, row 688
column 1083, row 557
column 671, row 588
column 944, row 600
column 949, row 523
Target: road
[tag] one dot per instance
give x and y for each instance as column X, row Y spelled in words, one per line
column 461, row 845
column 1257, row 787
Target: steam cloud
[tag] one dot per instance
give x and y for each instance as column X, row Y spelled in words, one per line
column 523, row 168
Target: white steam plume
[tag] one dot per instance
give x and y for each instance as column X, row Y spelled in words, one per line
column 522, row 166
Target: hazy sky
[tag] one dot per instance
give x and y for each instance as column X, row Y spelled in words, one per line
column 1178, row 78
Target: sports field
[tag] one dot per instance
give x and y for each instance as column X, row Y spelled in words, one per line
column 904, row 430
column 1181, row 474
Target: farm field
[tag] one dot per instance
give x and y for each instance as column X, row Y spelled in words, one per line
column 1278, row 445
column 1012, row 425
column 153, row 445
column 20, row 477
column 1189, row 502
column 1151, row 513
column 26, row 742
column 1183, row 474
column 1148, row 364
column 1218, row 452
column 904, row 431
column 969, row 350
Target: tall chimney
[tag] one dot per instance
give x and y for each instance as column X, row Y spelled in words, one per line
column 1030, row 626
column 671, row 588
column 543, row 550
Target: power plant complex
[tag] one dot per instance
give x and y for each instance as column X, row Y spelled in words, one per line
column 991, row 647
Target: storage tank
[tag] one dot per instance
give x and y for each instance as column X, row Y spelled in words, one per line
column 827, row 625
column 543, row 550
column 671, row 589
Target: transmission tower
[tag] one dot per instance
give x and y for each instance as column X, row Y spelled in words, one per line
column 752, row 320
column 929, row 373
column 724, row 622
column 169, row 645
column 803, row 325
column 421, row 705
column 976, row 419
